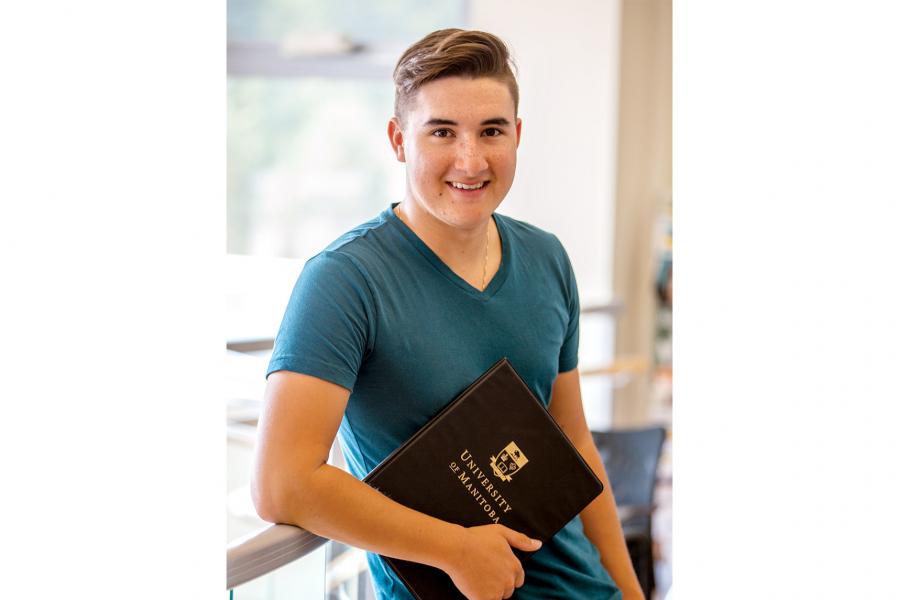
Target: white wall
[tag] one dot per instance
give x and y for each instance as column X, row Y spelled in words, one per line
column 568, row 57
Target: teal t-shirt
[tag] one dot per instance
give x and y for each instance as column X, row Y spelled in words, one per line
column 379, row 313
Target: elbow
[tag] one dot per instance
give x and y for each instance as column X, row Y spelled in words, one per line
column 264, row 500
column 279, row 499
column 273, row 498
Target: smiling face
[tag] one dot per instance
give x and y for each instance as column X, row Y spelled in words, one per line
column 458, row 139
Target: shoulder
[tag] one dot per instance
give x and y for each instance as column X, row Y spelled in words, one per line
column 533, row 240
column 354, row 252
column 370, row 243
column 528, row 232
column 541, row 254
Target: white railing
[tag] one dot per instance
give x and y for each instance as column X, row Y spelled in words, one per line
column 264, row 551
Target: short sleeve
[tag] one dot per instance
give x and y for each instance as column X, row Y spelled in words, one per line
column 328, row 324
column 568, row 353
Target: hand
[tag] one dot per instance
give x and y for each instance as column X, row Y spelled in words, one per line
column 484, row 566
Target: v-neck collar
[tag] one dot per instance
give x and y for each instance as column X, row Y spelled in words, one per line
column 496, row 281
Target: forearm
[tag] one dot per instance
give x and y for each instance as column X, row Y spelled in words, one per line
column 333, row 504
column 602, row 528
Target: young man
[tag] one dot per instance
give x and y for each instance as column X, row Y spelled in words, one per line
column 397, row 316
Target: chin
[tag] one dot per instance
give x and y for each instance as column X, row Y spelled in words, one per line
column 469, row 216
column 462, row 213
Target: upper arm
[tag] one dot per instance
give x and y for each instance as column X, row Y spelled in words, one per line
column 297, row 426
column 567, row 408
column 329, row 323
column 327, row 328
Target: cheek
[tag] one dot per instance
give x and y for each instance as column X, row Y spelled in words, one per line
column 504, row 162
column 428, row 164
column 512, row 163
column 422, row 171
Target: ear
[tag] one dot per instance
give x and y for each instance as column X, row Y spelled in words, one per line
column 395, row 134
column 518, row 131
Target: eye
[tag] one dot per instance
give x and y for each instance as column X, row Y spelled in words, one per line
column 441, row 133
column 492, row 132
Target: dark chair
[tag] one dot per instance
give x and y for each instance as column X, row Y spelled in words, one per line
column 631, row 457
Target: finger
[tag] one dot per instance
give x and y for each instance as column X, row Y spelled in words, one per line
column 521, row 541
column 520, row 575
column 513, row 537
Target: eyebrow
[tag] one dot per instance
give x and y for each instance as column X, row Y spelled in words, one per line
column 495, row 121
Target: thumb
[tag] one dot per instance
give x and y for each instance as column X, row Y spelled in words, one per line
column 520, row 540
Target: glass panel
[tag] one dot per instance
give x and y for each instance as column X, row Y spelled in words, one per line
column 244, row 384
column 363, row 21
column 347, row 573
column 302, row 578
column 307, row 159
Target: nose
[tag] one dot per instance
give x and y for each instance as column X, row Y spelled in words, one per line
column 470, row 157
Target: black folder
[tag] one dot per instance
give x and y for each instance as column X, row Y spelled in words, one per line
column 492, row 455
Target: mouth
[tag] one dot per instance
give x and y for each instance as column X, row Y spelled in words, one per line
column 468, row 189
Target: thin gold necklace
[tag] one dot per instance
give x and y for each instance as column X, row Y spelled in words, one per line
column 487, row 237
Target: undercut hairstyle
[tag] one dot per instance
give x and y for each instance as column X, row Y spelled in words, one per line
column 452, row 53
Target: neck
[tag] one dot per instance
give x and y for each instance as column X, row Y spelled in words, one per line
column 473, row 253
column 451, row 244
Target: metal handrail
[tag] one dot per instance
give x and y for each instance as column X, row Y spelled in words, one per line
column 263, row 551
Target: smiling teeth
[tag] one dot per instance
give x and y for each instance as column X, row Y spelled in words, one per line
column 462, row 186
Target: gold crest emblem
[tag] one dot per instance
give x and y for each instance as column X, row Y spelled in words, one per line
column 509, row 462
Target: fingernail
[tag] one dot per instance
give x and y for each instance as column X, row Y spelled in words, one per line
column 536, row 543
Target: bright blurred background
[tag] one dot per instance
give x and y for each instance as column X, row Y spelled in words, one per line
column 309, row 94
